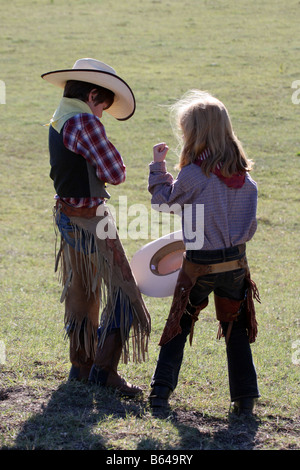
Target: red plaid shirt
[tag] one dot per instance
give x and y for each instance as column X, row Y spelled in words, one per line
column 85, row 134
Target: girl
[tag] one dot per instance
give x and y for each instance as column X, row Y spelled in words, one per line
column 214, row 172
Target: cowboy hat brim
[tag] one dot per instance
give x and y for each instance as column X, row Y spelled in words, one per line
column 123, row 106
column 156, row 265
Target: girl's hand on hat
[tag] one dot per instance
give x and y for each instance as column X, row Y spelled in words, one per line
column 160, row 152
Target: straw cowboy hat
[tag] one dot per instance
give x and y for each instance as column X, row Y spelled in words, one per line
column 156, row 265
column 101, row 74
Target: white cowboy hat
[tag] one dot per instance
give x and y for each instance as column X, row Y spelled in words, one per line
column 98, row 73
column 156, row 265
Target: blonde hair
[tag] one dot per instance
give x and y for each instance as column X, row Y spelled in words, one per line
column 201, row 122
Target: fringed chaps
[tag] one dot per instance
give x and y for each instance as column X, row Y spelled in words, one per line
column 226, row 309
column 186, row 280
column 107, row 276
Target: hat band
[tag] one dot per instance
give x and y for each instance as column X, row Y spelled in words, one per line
column 168, row 259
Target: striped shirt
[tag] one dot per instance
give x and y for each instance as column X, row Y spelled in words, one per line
column 229, row 214
column 85, row 135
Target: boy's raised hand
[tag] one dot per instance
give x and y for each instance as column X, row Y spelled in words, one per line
column 160, row 152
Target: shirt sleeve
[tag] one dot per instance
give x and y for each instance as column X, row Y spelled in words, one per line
column 85, row 134
column 164, row 188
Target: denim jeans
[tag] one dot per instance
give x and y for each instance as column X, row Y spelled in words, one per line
column 241, row 370
column 67, row 232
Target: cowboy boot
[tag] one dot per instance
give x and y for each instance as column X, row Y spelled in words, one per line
column 104, row 370
column 159, row 396
column 243, row 407
column 80, row 364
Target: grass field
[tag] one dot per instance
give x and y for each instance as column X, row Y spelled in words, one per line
column 247, row 54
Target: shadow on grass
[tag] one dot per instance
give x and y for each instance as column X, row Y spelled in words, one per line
column 68, row 420
column 204, row 432
column 76, row 412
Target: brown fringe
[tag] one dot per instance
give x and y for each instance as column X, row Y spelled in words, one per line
column 107, row 275
column 186, row 280
column 252, row 293
column 77, row 327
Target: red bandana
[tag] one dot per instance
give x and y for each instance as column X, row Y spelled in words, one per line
column 235, row 181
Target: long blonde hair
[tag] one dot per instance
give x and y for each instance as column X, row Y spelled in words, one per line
column 201, row 122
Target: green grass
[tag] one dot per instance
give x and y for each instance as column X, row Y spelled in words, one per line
column 247, row 54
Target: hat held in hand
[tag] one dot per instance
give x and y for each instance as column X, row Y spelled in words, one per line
column 156, row 265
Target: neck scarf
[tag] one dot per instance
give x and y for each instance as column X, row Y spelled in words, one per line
column 67, row 108
column 235, row 181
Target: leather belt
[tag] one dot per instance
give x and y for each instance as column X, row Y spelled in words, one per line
column 69, row 211
column 195, row 270
column 223, row 267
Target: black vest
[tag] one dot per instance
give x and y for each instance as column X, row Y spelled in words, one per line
column 72, row 175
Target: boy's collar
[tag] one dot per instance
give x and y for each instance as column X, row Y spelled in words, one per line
column 67, row 108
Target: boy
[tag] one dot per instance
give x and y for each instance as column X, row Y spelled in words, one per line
column 94, row 266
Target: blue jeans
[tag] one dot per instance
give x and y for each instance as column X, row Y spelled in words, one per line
column 116, row 321
column 241, row 370
column 67, row 232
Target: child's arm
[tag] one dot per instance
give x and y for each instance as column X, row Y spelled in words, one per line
column 85, row 134
column 160, row 152
column 161, row 184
